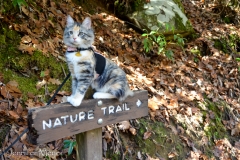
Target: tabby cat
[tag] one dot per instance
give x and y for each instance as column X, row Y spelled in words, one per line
column 90, row 68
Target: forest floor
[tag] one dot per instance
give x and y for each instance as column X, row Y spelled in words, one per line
column 194, row 99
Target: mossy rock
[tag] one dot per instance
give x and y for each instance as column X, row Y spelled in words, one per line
column 156, row 14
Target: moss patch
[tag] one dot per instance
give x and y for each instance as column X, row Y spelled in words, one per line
column 25, row 68
column 215, row 130
column 213, row 126
column 159, row 144
column 229, row 44
column 4, row 130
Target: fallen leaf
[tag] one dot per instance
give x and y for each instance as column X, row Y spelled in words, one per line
column 5, row 92
column 124, row 125
column 54, row 81
column 19, row 109
column 26, row 39
column 173, row 104
column 107, row 136
column 152, row 105
column 30, row 104
column 41, row 84
column 172, row 154
column 133, row 131
column 146, row 135
column 30, row 95
column 12, row 83
column 236, row 131
column 173, row 128
column 14, row 114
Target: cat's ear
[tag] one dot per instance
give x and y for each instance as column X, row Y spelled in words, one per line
column 87, row 23
column 70, row 21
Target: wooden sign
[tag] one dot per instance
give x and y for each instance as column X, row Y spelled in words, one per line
column 57, row 121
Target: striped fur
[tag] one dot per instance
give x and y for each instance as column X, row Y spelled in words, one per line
column 112, row 83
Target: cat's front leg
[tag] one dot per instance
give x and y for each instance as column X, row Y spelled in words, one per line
column 83, row 82
column 74, row 86
column 76, row 99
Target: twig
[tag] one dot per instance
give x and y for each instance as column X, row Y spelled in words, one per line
column 63, row 70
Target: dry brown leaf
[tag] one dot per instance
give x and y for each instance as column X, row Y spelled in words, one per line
column 188, row 142
column 64, row 93
column 21, row 129
column 237, row 145
column 172, row 154
column 180, row 129
column 173, row 104
column 107, row 136
column 23, row 47
column 194, row 155
column 133, row 131
column 26, row 39
column 3, row 106
column 41, row 84
column 30, row 95
column 124, row 125
column 134, row 45
column 13, row 83
column 173, row 128
column 153, row 105
column 54, row 81
column 5, row 92
column 30, row 104
column 146, row 135
column 152, row 115
column 236, row 130
column 150, row 158
column 19, row 109
column 15, row 92
column 204, row 141
column 14, row 114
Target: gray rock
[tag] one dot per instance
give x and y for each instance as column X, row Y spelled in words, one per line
column 157, row 13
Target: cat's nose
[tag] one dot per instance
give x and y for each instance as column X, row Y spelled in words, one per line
column 74, row 39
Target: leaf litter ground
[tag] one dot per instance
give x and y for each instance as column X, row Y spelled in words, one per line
column 195, row 97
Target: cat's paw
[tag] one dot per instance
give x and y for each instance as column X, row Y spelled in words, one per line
column 102, row 95
column 64, row 99
column 75, row 101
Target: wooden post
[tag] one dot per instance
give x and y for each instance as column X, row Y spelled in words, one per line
column 88, row 142
column 88, row 145
column 57, row 121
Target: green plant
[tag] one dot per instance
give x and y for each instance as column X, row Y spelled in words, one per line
column 238, row 60
column 154, row 38
column 179, row 40
column 228, row 44
column 19, row 3
column 70, row 144
column 169, row 54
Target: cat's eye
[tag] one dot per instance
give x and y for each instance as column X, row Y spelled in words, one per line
column 81, row 34
column 70, row 32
